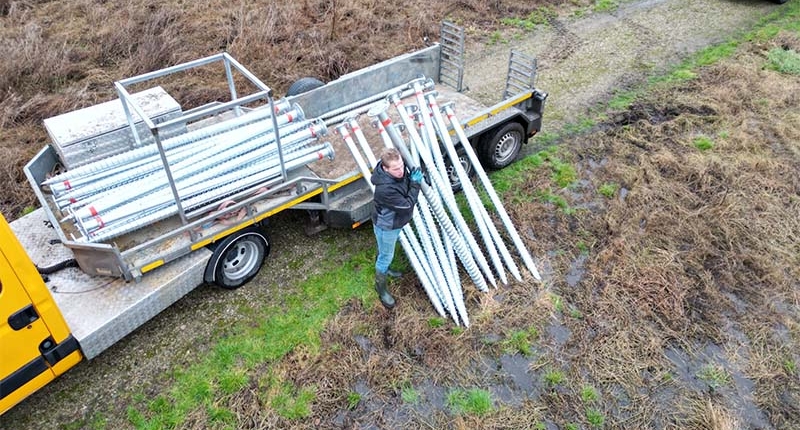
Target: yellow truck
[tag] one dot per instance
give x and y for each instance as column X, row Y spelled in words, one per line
column 72, row 285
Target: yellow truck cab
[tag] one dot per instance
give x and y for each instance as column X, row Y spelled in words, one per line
column 35, row 343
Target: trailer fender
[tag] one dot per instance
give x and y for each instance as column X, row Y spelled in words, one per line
column 237, row 258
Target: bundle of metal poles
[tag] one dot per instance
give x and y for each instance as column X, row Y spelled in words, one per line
column 439, row 236
column 128, row 191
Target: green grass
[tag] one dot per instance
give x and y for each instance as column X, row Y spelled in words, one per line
column 714, row 375
column 790, row 367
column 703, row 143
column 436, row 322
column 497, row 38
column 622, row 100
column 605, row 5
column 608, row 189
column 298, row 321
column 595, row 417
column 589, row 394
column 540, row 16
column 520, row 341
column 784, row 61
column 571, row 426
column 554, row 377
column 558, row 302
column 410, row 395
column 353, row 399
column 475, row 401
column 564, row 175
column 288, row 400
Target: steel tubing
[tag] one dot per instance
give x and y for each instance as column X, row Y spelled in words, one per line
column 450, row 203
column 212, row 194
column 491, row 237
column 487, row 185
column 127, row 157
column 407, row 239
column 463, row 249
column 76, row 197
column 154, row 160
column 93, row 218
column 193, row 171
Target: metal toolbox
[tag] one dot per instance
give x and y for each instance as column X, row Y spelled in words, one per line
column 95, row 132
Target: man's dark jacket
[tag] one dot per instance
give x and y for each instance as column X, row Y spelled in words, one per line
column 394, row 199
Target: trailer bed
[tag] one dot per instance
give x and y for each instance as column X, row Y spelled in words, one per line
column 100, row 310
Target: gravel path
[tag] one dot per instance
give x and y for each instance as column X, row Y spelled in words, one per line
column 582, row 60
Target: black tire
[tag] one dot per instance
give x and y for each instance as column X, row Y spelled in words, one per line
column 502, row 146
column 238, row 258
column 455, row 184
column 303, row 85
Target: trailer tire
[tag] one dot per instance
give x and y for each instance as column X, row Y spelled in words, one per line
column 303, row 85
column 238, row 258
column 502, row 147
column 455, row 184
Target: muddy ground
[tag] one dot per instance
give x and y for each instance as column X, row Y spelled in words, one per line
column 674, row 295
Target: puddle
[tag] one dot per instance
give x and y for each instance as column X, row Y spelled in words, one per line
column 516, row 368
column 738, row 391
column 559, row 333
column 576, row 271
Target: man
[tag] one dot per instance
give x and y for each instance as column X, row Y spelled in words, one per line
column 396, row 192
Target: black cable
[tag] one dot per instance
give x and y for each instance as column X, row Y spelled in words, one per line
column 58, row 266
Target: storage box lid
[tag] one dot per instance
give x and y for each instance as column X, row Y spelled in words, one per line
column 71, row 127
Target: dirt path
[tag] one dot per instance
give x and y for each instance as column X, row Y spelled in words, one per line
column 581, row 62
column 584, row 60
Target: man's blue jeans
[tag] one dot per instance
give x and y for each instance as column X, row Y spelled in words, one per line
column 386, row 243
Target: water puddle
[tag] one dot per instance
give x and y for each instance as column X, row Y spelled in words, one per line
column 576, row 270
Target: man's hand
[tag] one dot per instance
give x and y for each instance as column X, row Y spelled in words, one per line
column 416, row 175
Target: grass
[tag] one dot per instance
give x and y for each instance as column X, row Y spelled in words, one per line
column 279, row 331
column 520, row 341
column 714, row 376
column 595, row 418
column 554, row 377
column 410, row 395
column 353, row 399
column 784, row 61
column 474, row 401
column 703, row 143
column 608, row 189
column 790, row 366
column 538, row 17
column 605, row 5
column 589, row 394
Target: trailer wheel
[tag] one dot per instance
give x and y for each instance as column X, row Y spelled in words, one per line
column 238, row 258
column 303, row 85
column 455, row 183
column 502, row 147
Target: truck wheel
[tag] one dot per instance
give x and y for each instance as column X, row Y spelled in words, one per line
column 455, row 184
column 303, row 85
column 502, row 147
column 238, row 258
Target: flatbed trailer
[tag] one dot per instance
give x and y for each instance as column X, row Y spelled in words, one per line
column 51, row 322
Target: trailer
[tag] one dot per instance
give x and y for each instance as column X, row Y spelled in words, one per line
column 71, row 285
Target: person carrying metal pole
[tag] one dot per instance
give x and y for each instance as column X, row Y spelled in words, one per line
column 396, row 193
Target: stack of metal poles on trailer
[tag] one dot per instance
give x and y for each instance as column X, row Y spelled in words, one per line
column 128, row 191
column 439, row 236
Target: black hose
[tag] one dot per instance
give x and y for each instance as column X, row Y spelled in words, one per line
column 58, row 266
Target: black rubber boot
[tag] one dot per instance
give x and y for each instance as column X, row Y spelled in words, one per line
column 380, row 286
column 394, row 273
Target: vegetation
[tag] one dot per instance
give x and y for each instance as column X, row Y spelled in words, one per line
column 698, row 260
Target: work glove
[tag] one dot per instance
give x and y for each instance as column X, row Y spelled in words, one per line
column 416, row 175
